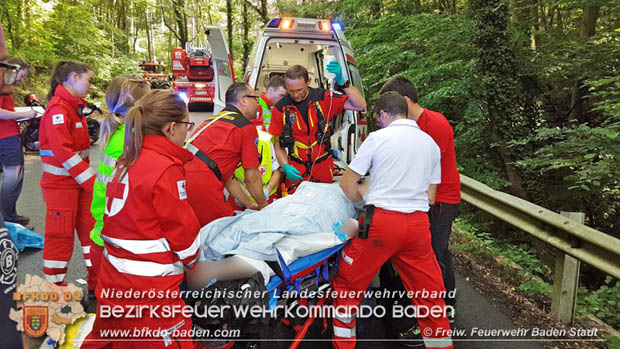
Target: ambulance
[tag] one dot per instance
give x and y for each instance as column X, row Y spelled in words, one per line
column 285, row 42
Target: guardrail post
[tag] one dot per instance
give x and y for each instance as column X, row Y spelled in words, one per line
column 566, row 280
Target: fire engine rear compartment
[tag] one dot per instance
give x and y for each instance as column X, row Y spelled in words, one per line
column 281, row 54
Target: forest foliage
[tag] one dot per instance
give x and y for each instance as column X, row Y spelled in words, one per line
column 531, row 87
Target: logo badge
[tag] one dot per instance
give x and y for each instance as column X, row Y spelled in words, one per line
column 35, row 320
column 182, row 189
column 78, row 125
column 58, row 119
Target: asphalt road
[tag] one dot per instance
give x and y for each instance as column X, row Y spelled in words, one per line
column 473, row 310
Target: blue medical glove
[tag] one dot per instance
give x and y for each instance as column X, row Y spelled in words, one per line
column 266, row 192
column 338, row 229
column 334, row 68
column 291, row 173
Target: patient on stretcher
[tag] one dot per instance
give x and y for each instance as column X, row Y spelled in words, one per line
column 295, row 226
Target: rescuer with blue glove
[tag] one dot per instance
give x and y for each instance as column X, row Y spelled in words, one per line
column 300, row 124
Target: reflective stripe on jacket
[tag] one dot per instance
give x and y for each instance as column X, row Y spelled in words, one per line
column 107, row 162
column 64, row 143
column 150, row 230
column 264, row 151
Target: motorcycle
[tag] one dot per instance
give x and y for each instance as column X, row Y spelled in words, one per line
column 29, row 128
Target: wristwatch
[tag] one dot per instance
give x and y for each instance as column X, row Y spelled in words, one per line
column 344, row 85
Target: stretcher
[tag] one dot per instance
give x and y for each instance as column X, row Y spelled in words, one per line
column 292, row 285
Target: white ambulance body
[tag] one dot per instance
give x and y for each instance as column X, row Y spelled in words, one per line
column 285, row 42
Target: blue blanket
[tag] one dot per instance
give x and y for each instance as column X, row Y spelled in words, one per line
column 314, row 208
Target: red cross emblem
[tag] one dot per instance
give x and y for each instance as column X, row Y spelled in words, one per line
column 114, row 190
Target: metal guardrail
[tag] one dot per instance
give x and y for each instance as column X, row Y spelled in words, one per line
column 585, row 244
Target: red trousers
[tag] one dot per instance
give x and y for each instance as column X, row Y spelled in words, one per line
column 140, row 332
column 405, row 239
column 68, row 211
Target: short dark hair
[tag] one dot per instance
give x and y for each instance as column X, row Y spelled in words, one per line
column 236, row 91
column 295, row 72
column 403, row 86
column 392, row 103
column 275, row 82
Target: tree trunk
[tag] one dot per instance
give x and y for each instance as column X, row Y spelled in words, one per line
column 229, row 26
column 559, row 15
column 577, row 109
column 265, row 13
column 590, row 17
column 148, row 35
column 246, row 30
column 507, row 160
column 181, row 21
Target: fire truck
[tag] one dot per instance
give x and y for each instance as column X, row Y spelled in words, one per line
column 192, row 74
column 153, row 73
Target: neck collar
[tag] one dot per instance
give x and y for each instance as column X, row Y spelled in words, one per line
column 64, row 94
column 266, row 99
column 164, row 146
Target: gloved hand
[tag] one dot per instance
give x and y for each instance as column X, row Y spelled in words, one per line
column 266, row 192
column 334, row 68
column 338, row 229
column 291, row 173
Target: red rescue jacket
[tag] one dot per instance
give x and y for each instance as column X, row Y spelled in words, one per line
column 150, row 231
column 64, row 143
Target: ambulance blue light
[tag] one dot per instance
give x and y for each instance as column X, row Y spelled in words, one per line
column 274, row 23
column 337, row 25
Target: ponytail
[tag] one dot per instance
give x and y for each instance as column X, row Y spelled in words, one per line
column 133, row 139
column 108, row 127
column 121, row 94
column 148, row 117
column 61, row 73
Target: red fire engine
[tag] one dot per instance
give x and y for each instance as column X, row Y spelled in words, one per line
column 154, row 73
column 192, row 74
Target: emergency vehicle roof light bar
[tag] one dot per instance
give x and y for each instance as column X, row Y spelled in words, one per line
column 274, row 23
column 325, row 26
column 287, row 23
column 337, row 26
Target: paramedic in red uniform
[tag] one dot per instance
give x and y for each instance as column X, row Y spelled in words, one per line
column 67, row 180
column 11, row 151
column 445, row 208
column 219, row 144
column 295, row 120
column 400, row 179
column 150, row 231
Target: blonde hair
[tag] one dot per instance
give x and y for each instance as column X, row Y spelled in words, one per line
column 148, row 117
column 121, row 95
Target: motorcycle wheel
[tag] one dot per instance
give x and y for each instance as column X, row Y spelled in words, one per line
column 30, row 137
column 93, row 130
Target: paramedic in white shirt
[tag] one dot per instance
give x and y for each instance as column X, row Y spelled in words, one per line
column 404, row 165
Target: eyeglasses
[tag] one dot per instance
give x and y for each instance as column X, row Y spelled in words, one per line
column 190, row 124
column 10, row 73
column 255, row 97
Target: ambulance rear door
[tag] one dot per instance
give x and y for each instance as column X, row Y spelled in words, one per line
column 224, row 74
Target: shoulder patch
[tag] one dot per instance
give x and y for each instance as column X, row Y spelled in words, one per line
column 182, row 189
column 58, row 119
